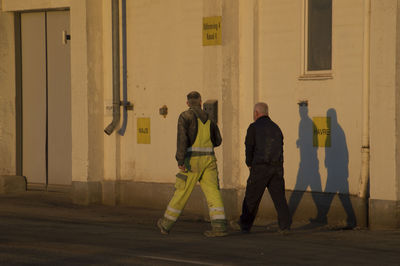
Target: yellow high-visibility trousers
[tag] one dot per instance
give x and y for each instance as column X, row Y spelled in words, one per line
column 202, row 169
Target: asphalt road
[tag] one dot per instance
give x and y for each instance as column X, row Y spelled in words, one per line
column 45, row 228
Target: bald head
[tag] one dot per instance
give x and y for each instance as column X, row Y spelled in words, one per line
column 260, row 109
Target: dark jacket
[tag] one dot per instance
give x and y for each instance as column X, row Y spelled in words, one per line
column 187, row 131
column 264, row 143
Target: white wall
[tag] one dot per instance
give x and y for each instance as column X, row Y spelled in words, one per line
column 279, row 69
column 165, row 62
column 383, row 100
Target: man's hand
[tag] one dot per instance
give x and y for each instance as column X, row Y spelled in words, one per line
column 182, row 167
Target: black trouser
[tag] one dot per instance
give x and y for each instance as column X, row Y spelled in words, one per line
column 262, row 176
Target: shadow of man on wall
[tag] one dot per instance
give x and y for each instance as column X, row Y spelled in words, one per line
column 337, row 165
column 308, row 174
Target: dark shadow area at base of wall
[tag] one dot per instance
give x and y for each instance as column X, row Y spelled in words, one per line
column 157, row 195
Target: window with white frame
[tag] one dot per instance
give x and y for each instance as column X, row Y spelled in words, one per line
column 318, row 37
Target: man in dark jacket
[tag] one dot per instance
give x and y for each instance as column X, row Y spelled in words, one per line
column 197, row 137
column 264, row 157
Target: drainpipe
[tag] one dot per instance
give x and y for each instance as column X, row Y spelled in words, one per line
column 116, row 75
column 365, row 149
column 126, row 105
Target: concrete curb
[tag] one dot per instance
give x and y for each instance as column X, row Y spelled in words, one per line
column 12, row 184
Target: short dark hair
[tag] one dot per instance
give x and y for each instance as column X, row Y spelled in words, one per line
column 193, row 95
column 194, row 98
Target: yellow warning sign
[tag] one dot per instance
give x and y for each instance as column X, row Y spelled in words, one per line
column 212, row 34
column 143, row 130
column 321, row 131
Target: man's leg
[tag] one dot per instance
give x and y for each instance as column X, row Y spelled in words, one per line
column 276, row 188
column 184, row 185
column 209, row 185
column 255, row 188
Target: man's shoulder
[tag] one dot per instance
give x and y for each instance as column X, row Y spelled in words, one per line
column 276, row 128
column 273, row 123
column 187, row 114
column 252, row 125
column 268, row 122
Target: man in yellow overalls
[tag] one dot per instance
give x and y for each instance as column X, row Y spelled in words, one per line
column 197, row 137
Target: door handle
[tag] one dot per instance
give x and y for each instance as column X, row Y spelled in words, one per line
column 65, row 37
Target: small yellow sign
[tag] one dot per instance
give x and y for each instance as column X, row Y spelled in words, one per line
column 143, row 130
column 321, row 131
column 212, row 34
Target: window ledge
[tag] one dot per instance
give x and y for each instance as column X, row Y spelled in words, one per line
column 321, row 76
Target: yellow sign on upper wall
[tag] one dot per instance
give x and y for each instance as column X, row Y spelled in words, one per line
column 321, row 131
column 143, row 130
column 212, row 34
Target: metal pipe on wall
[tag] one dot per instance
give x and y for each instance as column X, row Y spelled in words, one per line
column 116, row 65
column 365, row 149
column 125, row 102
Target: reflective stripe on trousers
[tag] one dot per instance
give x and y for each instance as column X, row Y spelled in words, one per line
column 217, row 213
column 204, row 171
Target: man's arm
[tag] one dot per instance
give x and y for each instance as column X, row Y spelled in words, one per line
column 215, row 135
column 182, row 141
column 250, row 145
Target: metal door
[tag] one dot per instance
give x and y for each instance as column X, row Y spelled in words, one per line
column 46, row 98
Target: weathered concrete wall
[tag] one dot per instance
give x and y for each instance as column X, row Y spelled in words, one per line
column 7, row 95
column 79, row 91
column 248, row 35
column 383, row 100
column 230, row 92
column 12, row 184
column 112, row 142
column 165, row 62
column 95, row 89
column 22, row 5
column 9, row 181
column 397, row 177
column 212, row 81
column 87, row 98
column 384, row 180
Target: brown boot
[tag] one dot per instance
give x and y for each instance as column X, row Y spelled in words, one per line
column 162, row 229
column 235, row 225
column 212, row 233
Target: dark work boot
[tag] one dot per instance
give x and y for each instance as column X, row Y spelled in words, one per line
column 218, row 228
column 212, row 233
column 162, row 229
column 237, row 227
